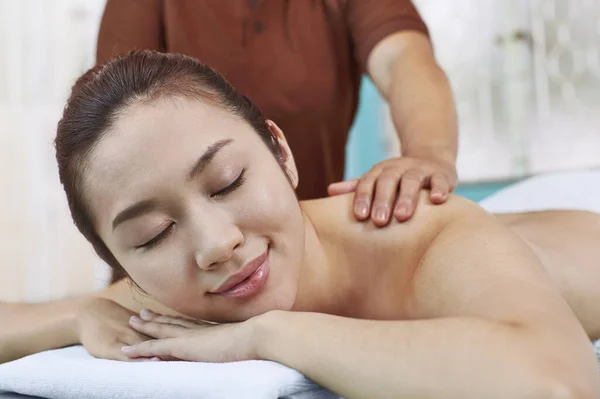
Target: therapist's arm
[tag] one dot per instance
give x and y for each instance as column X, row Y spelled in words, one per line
column 405, row 71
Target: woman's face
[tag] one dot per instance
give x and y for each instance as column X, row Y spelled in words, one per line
column 190, row 201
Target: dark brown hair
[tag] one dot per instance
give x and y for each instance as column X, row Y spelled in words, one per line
column 105, row 92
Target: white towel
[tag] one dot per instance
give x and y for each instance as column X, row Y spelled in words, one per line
column 566, row 190
column 71, row 373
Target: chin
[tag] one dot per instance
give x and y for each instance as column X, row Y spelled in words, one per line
column 281, row 298
column 267, row 304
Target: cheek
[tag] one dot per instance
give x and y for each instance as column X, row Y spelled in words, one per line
column 161, row 275
column 270, row 200
column 274, row 213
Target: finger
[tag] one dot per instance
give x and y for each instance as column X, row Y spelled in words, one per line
column 113, row 352
column 132, row 337
column 410, row 185
column 364, row 193
column 342, row 187
column 162, row 348
column 440, row 188
column 155, row 329
column 148, row 315
column 386, row 190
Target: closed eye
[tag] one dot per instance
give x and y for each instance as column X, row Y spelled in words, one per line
column 157, row 239
column 232, row 187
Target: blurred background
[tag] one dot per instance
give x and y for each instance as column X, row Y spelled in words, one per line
column 525, row 74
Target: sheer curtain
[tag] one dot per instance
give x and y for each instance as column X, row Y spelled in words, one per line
column 526, row 77
column 45, row 45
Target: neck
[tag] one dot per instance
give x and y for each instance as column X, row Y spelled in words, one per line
column 325, row 284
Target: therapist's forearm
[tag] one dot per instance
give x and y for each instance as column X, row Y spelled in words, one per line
column 438, row 358
column 29, row 328
column 422, row 108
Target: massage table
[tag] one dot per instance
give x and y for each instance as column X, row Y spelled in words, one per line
column 72, row 373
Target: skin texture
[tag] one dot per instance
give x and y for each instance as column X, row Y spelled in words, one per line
column 355, row 290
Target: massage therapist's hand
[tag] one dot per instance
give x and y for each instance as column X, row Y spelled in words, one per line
column 377, row 192
column 182, row 339
column 103, row 329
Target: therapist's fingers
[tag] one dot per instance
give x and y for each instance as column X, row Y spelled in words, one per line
column 386, row 190
column 342, row 187
column 440, row 188
column 364, row 193
column 410, row 186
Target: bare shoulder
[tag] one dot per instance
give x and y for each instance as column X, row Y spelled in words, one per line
column 454, row 259
column 455, row 252
column 397, row 243
column 334, row 217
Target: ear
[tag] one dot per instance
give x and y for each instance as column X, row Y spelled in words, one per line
column 288, row 162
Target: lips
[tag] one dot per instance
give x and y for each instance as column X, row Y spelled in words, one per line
column 250, row 274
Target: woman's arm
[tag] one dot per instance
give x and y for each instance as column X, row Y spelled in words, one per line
column 491, row 327
column 29, row 328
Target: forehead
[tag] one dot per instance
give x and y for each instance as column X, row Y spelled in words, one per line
column 163, row 131
column 175, row 122
column 151, row 143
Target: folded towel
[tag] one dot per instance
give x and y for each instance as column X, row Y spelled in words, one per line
column 72, row 373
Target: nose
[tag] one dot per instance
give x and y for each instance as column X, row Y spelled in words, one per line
column 216, row 242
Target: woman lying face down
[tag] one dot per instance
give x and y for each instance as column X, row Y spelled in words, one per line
column 179, row 180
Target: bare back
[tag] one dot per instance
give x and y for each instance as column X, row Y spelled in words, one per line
column 568, row 244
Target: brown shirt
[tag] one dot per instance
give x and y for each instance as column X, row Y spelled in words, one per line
column 300, row 61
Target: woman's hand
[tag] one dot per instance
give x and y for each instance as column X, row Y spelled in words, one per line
column 377, row 192
column 182, row 339
column 103, row 328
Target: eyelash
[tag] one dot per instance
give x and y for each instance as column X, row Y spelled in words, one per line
column 219, row 194
column 232, row 187
column 157, row 239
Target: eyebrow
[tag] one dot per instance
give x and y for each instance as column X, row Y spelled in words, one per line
column 208, row 156
column 145, row 206
column 134, row 211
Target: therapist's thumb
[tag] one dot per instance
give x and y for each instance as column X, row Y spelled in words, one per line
column 342, row 187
